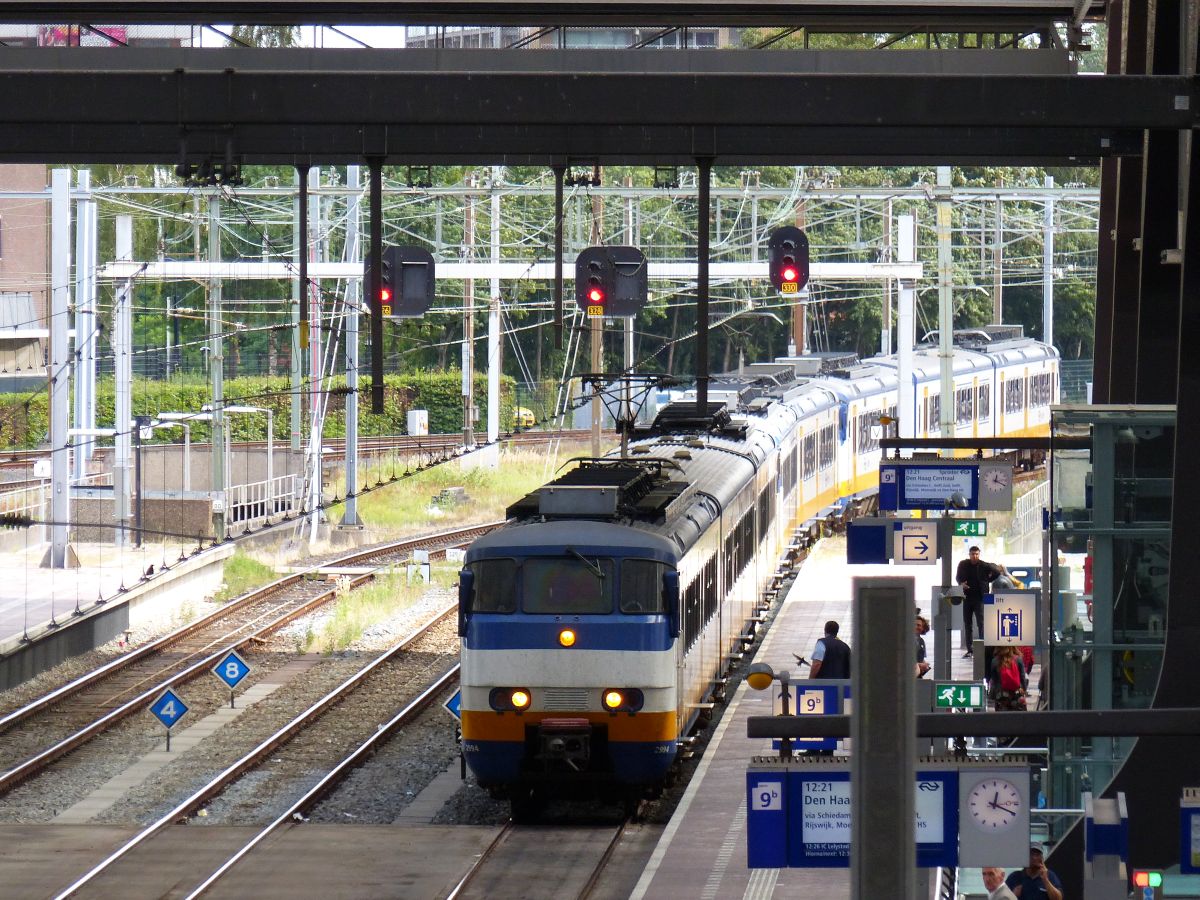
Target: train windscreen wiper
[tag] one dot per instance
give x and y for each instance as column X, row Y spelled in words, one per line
column 594, row 567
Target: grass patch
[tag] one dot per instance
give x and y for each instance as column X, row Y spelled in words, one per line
column 372, row 603
column 404, row 507
column 242, row 574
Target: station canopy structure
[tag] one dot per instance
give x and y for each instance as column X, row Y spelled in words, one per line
column 309, row 106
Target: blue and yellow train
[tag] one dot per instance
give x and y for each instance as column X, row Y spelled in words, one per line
column 598, row 623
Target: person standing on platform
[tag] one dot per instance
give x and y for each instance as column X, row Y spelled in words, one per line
column 1035, row 881
column 921, row 629
column 975, row 577
column 993, row 880
column 830, row 657
column 1008, row 680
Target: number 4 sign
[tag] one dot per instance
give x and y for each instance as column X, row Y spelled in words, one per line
column 231, row 670
column 168, row 709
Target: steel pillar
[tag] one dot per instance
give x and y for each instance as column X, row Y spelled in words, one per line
column 85, row 322
column 703, row 176
column 216, row 369
column 122, row 342
column 58, row 373
column 353, row 311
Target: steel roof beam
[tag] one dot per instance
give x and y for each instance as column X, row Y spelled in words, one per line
column 869, row 15
column 321, row 114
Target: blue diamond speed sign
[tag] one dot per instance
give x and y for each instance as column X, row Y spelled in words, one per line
column 168, row 708
column 231, row 669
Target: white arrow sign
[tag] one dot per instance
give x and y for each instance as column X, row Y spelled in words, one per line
column 915, row 544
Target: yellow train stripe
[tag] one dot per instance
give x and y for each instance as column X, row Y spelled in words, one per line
column 508, row 726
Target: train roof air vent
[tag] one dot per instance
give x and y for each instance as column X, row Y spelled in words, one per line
column 683, row 454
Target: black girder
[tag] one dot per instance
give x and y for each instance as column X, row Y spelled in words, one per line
column 97, row 112
column 1055, row 723
column 867, row 17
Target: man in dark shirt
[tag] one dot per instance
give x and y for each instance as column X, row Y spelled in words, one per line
column 830, row 657
column 921, row 629
column 975, row 577
column 1035, row 881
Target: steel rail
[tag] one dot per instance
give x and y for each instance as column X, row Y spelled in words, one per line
column 335, row 775
column 247, row 762
column 477, row 866
column 40, row 761
column 594, row 879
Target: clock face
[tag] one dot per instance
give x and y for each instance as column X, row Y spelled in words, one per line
column 996, row 480
column 994, row 805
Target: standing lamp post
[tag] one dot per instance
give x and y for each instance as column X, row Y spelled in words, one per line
column 760, row 677
column 184, row 420
column 141, row 424
column 177, row 420
column 269, row 494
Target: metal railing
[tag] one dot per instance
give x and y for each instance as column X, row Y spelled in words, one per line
column 246, row 504
column 1025, row 530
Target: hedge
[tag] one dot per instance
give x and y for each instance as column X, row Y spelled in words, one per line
column 25, row 418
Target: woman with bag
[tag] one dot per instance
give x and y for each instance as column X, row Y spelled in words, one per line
column 1008, row 679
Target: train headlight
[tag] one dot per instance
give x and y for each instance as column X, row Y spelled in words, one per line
column 566, row 637
column 622, row 699
column 509, row 699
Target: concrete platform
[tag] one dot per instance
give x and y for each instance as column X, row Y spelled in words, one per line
column 48, row 615
column 31, row 596
column 702, row 852
column 334, row 862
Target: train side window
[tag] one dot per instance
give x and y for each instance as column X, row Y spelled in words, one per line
column 810, row 456
column 964, row 406
column 495, row 585
column 641, row 586
column 567, row 586
column 984, row 402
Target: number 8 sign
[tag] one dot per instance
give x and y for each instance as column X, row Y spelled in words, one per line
column 231, row 669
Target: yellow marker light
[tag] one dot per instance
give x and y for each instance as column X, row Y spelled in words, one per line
column 613, row 699
column 566, row 637
column 520, row 699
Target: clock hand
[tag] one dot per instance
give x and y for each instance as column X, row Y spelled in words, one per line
column 1011, row 812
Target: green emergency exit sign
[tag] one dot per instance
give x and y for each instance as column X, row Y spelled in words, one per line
column 958, row 695
column 970, row 527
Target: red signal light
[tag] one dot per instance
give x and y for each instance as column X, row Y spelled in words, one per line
column 789, row 274
column 595, row 295
column 385, row 295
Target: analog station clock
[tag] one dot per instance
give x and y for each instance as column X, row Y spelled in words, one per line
column 994, row 805
column 997, row 480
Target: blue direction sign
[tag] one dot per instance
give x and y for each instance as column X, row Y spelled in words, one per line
column 454, row 705
column 232, row 669
column 168, row 708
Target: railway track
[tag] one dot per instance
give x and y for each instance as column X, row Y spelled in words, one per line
column 575, row 868
column 65, row 719
column 424, row 695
